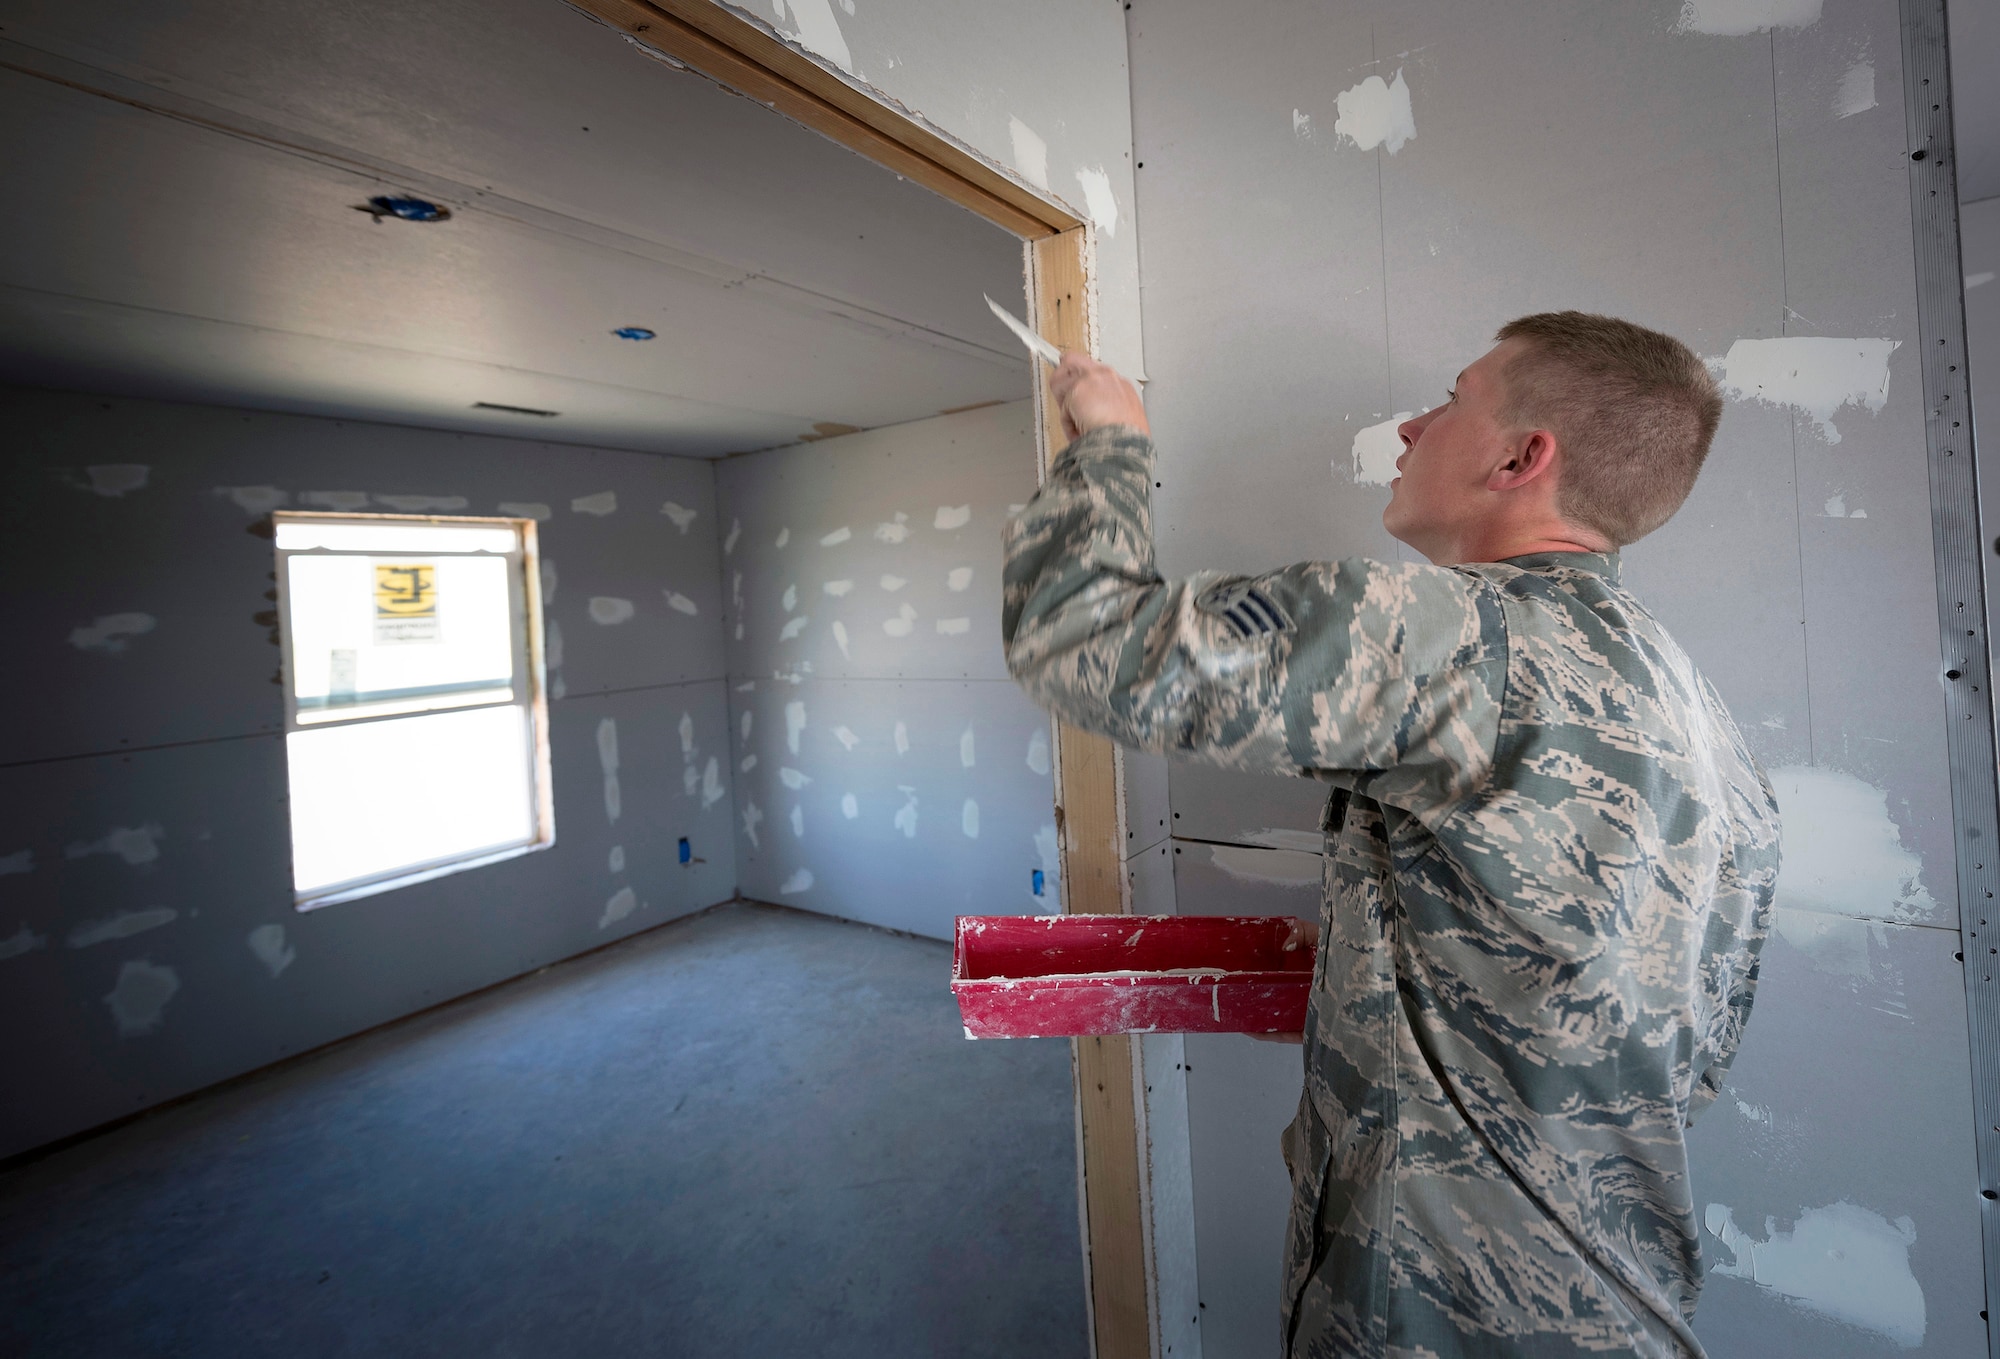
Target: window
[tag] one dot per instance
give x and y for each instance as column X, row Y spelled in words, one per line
column 415, row 727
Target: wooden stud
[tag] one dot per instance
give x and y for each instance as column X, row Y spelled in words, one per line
column 725, row 47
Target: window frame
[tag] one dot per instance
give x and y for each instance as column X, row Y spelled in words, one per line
column 528, row 690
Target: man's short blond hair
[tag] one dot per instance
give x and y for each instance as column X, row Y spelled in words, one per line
column 1633, row 410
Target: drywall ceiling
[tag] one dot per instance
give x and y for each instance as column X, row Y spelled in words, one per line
column 1975, row 95
column 180, row 222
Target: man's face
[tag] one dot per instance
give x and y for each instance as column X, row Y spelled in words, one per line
column 1449, row 453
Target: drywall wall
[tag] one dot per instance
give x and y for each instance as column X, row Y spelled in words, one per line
column 142, row 773
column 1340, row 203
column 887, row 770
column 1979, row 244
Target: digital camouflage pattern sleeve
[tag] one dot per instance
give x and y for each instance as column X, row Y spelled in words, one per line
column 1549, row 868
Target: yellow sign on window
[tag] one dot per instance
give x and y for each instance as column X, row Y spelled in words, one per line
column 406, row 602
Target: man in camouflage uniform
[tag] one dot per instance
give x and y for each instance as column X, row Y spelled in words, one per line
column 1550, row 857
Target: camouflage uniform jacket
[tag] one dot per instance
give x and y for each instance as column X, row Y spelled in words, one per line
column 1549, row 868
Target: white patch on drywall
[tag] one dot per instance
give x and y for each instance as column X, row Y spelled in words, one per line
column 846, row 736
column 952, row 517
column 1840, row 1261
column 1857, row 90
column 681, row 515
column 690, row 780
column 1815, row 374
column 798, row 819
column 837, row 537
column 1979, row 280
column 793, row 779
column 794, row 627
column 1735, row 18
column 747, row 763
column 711, row 784
column 1836, row 508
column 553, row 647
column 121, row 926
column 1308, row 842
column 23, row 940
column 736, row 589
column 735, row 532
column 140, row 996
column 1375, row 451
column 968, row 819
column 790, row 599
column 526, row 509
column 753, row 817
column 837, row 588
column 114, row 479
column 1302, row 126
column 902, row 739
column 607, row 760
column 685, row 729
column 958, row 578
column 895, row 530
column 1842, row 851
column 20, row 861
column 422, row 504
column 680, row 603
column 819, row 31
column 795, row 724
column 1837, row 945
column 1038, row 752
column 1755, row 1113
column 267, row 944
column 109, row 632
column 850, row 807
column 1284, row 867
column 614, row 862
column 621, row 904
column 1031, row 153
column 906, row 817
column 255, row 499
column 344, row 501
column 133, row 844
column 840, row 638
column 892, row 583
column 967, row 755
column 1100, row 204
column 800, row 881
column 902, row 624
column 784, row 536
column 1376, row 113
column 953, row 627
column 548, row 581
column 600, row 504
column 608, row 610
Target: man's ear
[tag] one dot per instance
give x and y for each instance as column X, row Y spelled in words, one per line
column 1531, row 457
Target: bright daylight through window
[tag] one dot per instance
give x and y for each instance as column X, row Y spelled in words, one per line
column 414, row 722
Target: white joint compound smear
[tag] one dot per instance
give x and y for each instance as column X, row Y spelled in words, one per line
column 892, row 583
column 952, row 517
column 255, row 499
column 850, row 807
column 793, row 779
column 422, row 504
column 1031, row 153
column 837, row 537
column 607, row 759
column 681, row 515
column 790, row 599
column 121, row 926
column 1309, row 842
column 1857, row 90
column 784, row 536
column 108, row 632
column 966, row 754
column 620, row 905
column 795, row 723
column 348, row 501
column 553, row 647
column 601, row 504
column 1099, row 202
column 906, row 818
column 1816, row 374
column 953, row 627
column 680, row 603
column 1302, row 126
column 840, row 639
column 1840, row 1261
column 1038, row 751
column 690, row 780
column 114, row 479
column 744, row 727
column 267, row 943
column 800, row 881
column 794, row 627
column 968, row 819
column 711, row 784
column 958, row 578
column 1285, row 867
column 1735, row 18
column 548, row 581
column 610, row 611
column 615, row 861
column 798, row 819
column 902, row 624
column 735, row 532
column 140, row 995
column 1376, row 449
column 23, row 940
column 902, row 739
column 685, row 728
column 1842, row 851
column 525, row 509
column 845, row 735
column 837, row 588
column 819, row 31
column 747, row 763
column 1978, row 280
column 895, row 531
column 20, row 861
column 753, row 817
column 133, row 844
column 1376, row 113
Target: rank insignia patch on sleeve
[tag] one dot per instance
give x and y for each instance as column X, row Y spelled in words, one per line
column 1249, row 612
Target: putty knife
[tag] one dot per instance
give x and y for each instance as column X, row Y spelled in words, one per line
column 1037, row 346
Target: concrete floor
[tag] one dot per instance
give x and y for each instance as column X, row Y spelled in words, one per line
column 755, row 1132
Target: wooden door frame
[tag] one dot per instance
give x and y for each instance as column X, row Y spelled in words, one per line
column 723, row 45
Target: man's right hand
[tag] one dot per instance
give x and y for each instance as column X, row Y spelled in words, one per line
column 1093, row 395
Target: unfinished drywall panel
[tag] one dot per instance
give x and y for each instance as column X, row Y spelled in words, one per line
column 1979, row 243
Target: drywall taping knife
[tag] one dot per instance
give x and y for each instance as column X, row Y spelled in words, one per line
column 1037, row 346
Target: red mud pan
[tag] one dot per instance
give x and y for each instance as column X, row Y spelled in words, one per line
column 1064, row 976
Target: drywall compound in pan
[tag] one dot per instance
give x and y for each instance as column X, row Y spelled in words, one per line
column 1375, row 451
column 1734, row 18
column 1814, row 374
column 1376, row 113
column 1841, row 1261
